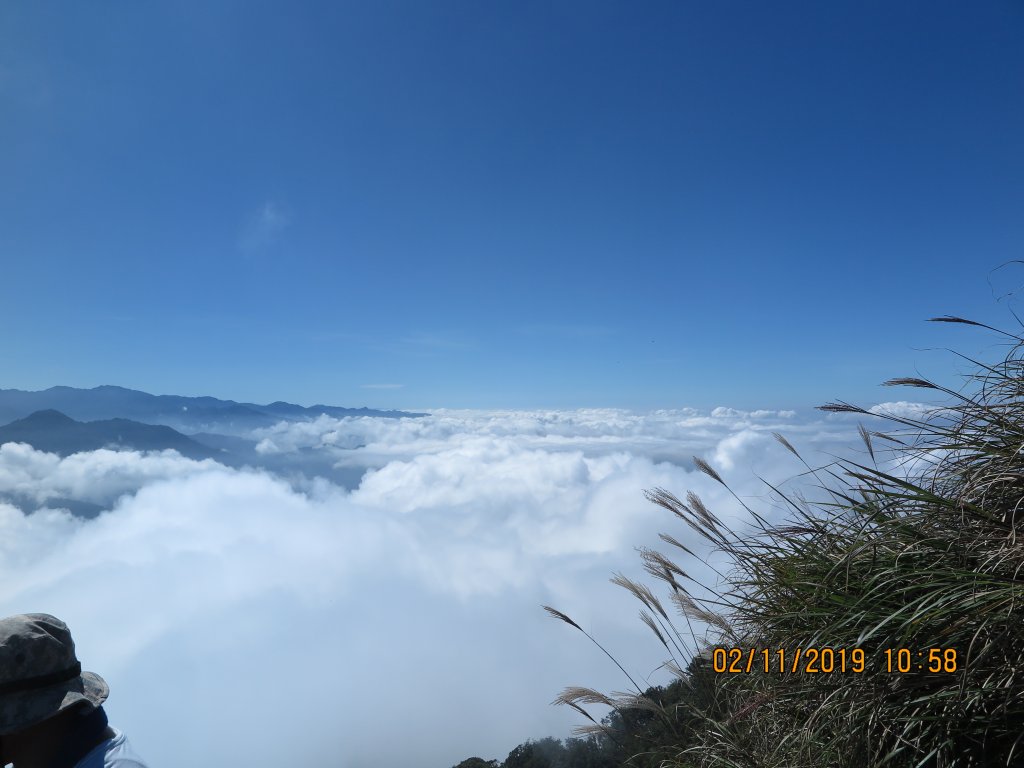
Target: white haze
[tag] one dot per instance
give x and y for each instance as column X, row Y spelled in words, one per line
column 242, row 618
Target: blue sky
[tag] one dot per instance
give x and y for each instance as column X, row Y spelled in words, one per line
column 505, row 205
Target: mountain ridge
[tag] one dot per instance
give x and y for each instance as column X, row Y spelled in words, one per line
column 55, row 432
column 202, row 413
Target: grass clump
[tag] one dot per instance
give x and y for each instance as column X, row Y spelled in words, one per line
column 927, row 554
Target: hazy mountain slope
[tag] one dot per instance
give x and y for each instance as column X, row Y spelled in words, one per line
column 184, row 413
column 55, row 432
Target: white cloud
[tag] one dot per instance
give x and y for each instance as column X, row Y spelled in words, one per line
column 722, row 412
column 905, row 410
column 97, row 476
column 739, row 449
column 412, row 601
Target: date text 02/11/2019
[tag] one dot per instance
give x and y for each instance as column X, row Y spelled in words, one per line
column 828, row 660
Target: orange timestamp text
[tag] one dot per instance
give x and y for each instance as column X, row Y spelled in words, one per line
column 829, row 660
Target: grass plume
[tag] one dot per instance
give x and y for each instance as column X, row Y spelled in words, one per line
column 924, row 552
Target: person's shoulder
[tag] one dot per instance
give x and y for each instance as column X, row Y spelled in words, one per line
column 115, row 752
column 120, row 753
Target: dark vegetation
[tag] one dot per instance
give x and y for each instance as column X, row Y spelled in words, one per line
column 638, row 736
column 925, row 553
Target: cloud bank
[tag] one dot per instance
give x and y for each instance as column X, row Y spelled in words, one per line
column 391, row 622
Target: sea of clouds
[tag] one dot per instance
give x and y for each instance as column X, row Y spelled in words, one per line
column 244, row 616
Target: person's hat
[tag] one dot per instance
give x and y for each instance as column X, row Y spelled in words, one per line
column 40, row 675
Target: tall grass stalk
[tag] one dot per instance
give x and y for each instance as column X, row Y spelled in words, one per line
column 928, row 553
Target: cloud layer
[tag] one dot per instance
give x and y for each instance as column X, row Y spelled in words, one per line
column 394, row 621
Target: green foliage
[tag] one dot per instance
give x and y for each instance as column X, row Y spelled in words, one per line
column 477, row 762
column 589, row 752
column 628, row 737
column 546, row 753
column 644, row 737
column 929, row 554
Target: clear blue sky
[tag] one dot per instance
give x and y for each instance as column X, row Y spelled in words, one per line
column 498, row 204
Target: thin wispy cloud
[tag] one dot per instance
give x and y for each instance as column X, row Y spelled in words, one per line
column 398, row 344
column 436, row 342
column 568, row 330
column 264, row 227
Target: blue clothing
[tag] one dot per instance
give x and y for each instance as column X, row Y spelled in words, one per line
column 112, row 753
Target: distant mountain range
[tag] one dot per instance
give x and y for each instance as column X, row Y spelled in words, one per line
column 65, row 420
column 54, row 432
column 187, row 414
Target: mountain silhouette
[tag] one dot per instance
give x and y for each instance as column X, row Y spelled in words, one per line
column 55, row 432
column 189, row 414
